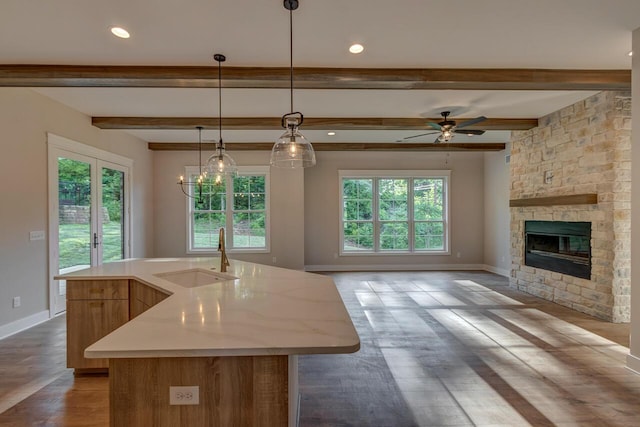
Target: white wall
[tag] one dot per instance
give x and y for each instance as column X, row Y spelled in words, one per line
column 322, row 209
column 25, row 119
column 287, row 208
column 633, row 361
column 497, row 180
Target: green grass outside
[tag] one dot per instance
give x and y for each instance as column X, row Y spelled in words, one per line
column 75, row 243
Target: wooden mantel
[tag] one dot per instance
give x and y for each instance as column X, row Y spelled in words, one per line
column 574, row 199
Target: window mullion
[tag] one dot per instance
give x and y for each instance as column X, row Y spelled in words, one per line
column 376, row 216
column 228, row 212
column 410, row 216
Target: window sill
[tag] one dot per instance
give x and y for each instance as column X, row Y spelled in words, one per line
column 213, row 252
column 403, row 253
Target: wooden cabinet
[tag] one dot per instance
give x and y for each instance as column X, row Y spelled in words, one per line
column 94, row 309
column 97, row 307
column 143, row 297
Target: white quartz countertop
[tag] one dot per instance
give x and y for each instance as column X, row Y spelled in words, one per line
column 265, row 311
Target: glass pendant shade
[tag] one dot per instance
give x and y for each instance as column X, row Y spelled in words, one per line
column 292, row 150
column 221, row 163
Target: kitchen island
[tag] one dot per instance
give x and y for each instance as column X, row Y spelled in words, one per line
column 235, row 336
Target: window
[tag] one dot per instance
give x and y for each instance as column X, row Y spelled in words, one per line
column 240, row 205
column 394, row 212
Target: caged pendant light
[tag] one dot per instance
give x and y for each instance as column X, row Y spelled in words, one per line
column 292, row 150
column 220, row 164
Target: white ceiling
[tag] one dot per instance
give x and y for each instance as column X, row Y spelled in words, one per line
column 569, row 34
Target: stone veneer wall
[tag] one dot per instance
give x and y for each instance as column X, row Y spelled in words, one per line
column 583, row 148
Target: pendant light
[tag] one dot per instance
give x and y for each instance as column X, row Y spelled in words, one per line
column 220, row 164
column 292, row 150
column 186, row 186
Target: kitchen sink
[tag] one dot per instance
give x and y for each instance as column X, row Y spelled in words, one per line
column 194, row 277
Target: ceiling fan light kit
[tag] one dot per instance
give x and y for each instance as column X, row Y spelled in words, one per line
column 448, row 128
column 292, row 150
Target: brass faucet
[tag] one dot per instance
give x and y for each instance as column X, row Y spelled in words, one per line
column 224, row 261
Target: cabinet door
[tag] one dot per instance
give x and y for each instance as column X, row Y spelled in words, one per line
column 143, row 297
column 87, row 322
column 136, row 307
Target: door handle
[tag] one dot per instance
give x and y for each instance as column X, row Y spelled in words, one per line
column 95, row 240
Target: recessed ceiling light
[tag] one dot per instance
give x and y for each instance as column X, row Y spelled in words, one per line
column 120, row 32
column 630, row 53
column 331, row 133
column 356, row 48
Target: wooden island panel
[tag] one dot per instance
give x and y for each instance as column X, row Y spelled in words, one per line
column 234, row 391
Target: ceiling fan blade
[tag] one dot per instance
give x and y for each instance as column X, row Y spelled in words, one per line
column 434, row 125
column 471, row 122
column 469, row 131
column 416, row 136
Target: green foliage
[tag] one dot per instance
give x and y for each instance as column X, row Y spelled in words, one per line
column 249, row 215
column 394, row 236
column 428, row 200
column 74, row 186
column 113, row 193
column 393, row 214
column 74, row 182
column 393, row 199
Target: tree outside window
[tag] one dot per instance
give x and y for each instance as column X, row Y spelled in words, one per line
column 394, row 214
column 239, row 204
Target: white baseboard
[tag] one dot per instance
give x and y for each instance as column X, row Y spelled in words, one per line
column 633, row 364
column 394, row 267
column 496, row 270
column 22, row 324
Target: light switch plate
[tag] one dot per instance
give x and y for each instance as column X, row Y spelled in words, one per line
column 36, row 235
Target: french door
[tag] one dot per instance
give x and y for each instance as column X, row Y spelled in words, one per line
column 88, row 215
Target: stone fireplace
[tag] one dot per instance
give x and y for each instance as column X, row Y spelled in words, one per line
column 575, row 168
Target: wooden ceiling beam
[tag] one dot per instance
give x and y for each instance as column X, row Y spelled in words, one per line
column 311, row 123
column 335, row 146
column 313, row 78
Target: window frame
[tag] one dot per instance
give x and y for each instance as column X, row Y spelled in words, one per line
column 229, row 212
column 375, row 176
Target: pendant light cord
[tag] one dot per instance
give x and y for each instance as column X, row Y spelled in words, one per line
column 291, row 56
column 200, row 149
column 220, row 101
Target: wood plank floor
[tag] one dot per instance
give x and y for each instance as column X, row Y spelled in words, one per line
column 438, row 349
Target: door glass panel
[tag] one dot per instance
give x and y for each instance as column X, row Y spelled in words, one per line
column 112, row 215
column 74, row 221
column 74, row 214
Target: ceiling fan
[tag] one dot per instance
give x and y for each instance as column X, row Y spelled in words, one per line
column 448, row 128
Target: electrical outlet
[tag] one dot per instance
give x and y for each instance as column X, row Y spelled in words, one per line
column 273, row 260
column 16, row 302
column 458, row 255
column 184, row 395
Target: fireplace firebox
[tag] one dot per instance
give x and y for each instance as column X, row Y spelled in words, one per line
column 563, row 247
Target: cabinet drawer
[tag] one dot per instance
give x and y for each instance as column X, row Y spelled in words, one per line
column 97, row 289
